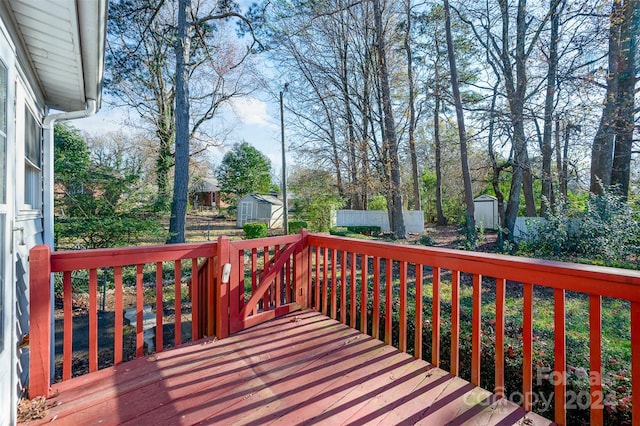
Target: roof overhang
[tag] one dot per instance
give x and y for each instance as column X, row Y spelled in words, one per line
column 64, row 44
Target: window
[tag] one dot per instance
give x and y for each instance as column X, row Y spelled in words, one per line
column 3, row 133
column 33, row 161
column 3, row 192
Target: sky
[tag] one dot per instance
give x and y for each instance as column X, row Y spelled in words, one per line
column 248, row 118
column 255, row 119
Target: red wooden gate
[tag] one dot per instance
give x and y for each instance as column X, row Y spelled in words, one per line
column 268, row 278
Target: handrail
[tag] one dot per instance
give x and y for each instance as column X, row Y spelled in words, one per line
column 272, row 276
column 352, row 262
column 43, row 264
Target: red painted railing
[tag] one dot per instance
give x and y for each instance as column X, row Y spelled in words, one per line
column 258, row 288
column 272, row 276
column 340, row 267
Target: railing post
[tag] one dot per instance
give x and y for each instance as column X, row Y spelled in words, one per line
column 302, row 271
column 222, row 289
column 40, row 321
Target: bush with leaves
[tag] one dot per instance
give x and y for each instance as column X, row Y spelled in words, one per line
column 605, row 231
column 296, row 225
column 255, row 230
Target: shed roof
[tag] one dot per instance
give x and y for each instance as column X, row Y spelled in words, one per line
column 64, row 45
column 265, row 199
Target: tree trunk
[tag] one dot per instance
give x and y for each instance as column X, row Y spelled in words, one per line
column 181, row 173
column 394, row 197
column 547, row 149
column 164, row 160
column 602, row 148
column 462, row 133
column 629, row 28
column 441, row 219
column 415, row 175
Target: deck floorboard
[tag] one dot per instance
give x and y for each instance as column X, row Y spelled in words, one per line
column 303, row 368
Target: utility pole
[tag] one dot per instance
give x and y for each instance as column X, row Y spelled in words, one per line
column 285, row 207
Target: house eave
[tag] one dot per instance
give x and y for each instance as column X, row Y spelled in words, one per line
column 62, row 42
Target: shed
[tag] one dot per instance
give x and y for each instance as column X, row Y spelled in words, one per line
column 259, row 208
column 206, row 193
column 486, row 212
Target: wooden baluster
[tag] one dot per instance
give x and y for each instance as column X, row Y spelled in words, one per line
column 352, row 315
column 139, row 308
column 435, row 318
column 334, row 284
column 241, row 287
column 265, row 267
column 160, row 305
column 375, row 326
column 316, row 281
column 325, row 285
column 277, row 282
column 499, row 333
column 455, row 322
column 403, row 307
column 178, row 302
column 343, row 287
column 254, row 275
column 595, row 360
column 195, row 302
column 117, row 344
column 527, row 347
column 560, row 357
column 288, row 282
column 68, row 325
column 388, row 319
column 417, row 352
column 635, row 362
column 476, row 330
column 93, row 320
column 363, row 293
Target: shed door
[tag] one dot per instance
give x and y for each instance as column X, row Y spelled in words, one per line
column 246, row 212
column 7, row 372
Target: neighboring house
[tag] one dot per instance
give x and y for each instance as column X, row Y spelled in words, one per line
column 51, row 69
column 206, row 193
column 260, row 208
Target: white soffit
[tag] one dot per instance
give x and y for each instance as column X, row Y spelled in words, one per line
column 64, row 40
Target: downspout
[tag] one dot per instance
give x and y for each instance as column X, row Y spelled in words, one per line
column 47, row 189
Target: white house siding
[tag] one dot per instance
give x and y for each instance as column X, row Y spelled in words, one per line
column 31, row 236
column 413, row 219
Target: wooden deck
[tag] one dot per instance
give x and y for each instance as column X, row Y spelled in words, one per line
column 303, row 368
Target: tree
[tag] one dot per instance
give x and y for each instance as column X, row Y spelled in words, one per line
column 244, row 170
column 316, row 197
column 394, row 185
column 189, row 24
column 156, row 50
column 612, row 145
column 462, row 133
column 98, row 204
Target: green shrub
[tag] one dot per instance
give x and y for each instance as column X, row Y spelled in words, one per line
column 377, row 202
column 365, row 230
column 255, row 230
column 606, row 231
column 296, row 225
column 339, row 231
column 426, row 240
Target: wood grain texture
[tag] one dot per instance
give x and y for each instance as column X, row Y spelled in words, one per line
column 301, row 368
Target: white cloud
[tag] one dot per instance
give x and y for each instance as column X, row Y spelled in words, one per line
column 253, row 112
